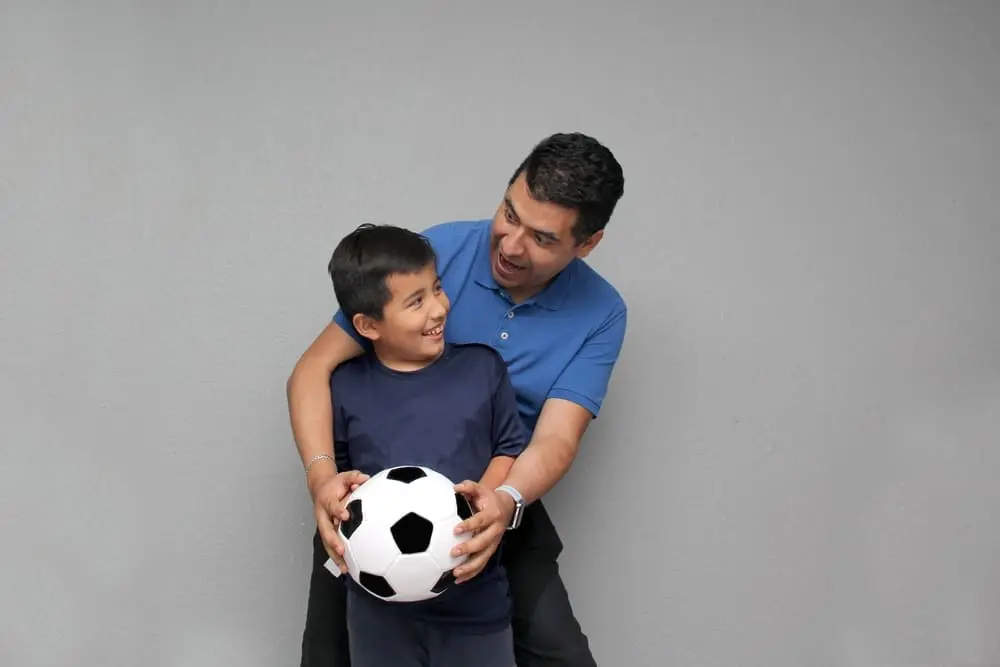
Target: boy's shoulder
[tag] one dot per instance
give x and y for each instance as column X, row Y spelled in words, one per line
column 480, row 355
column 353, row 368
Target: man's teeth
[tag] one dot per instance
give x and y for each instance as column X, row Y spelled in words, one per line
column 509, row 264
column 436, row 331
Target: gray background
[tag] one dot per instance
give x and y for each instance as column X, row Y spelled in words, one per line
column 798, row 460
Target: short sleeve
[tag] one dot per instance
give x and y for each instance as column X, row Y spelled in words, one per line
column 510, row 435
column 585, row 380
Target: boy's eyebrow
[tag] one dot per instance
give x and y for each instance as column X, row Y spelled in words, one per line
column 414, row 293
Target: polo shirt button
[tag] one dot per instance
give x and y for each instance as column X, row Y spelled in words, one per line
column 510, row 315
column 504, row 335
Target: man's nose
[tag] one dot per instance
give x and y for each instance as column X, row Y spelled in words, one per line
column 512, row 244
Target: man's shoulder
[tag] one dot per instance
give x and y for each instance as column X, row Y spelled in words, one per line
column 596, row 293
column 455, row 233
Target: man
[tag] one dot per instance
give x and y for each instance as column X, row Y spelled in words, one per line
column 517, row 282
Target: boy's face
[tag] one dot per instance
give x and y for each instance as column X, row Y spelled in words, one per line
column 412, row 324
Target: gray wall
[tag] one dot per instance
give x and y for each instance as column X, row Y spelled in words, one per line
column 798, row 459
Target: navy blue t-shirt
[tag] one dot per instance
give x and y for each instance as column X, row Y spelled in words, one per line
column 453, row 416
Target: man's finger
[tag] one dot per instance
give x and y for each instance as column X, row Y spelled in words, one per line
column 473, row 524
column 478, row 542
column 469, row 488
column 471, row 567
column 331, row 541
column 355, row 477
column 336, row 509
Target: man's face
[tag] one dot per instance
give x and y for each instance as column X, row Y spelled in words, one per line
column 412, row 324
column 532, row 241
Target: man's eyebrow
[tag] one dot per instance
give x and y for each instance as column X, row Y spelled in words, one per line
column 510, row 207
column 552, row 236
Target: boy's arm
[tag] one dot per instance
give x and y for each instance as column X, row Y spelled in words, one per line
column 509, row 434
column 497, row 471
column 310, row 400
column 510, row 437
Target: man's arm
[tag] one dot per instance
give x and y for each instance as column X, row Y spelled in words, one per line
column 310, row 401
column 551, row 451
column 573, row 402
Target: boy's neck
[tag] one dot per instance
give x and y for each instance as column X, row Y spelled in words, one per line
column 399, row 363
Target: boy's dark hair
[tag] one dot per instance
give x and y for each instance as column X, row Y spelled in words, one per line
column 575, row 171
column 363, row 261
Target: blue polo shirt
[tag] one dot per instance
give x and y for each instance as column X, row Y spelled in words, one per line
column 561, row 343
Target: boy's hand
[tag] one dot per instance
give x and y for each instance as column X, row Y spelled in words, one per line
column 331, row 509
column 488, row 526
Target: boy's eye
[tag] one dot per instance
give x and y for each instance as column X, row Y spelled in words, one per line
column 416, row 302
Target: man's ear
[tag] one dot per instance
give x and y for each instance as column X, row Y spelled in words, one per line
column 366, row 326
column 588, row 246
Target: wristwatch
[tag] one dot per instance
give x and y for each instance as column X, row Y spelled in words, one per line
column 515, row 519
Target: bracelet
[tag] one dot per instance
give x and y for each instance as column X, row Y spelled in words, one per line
column 316, row 459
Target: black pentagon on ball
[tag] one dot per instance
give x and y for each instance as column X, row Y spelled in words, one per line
column 406, row 474
column 354, row 521
column 412, row 534
column 376, row 585
column 446, row 580
column 463, row 506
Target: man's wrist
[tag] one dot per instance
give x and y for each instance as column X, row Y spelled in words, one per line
column 319, row 472
column 507, row 506
column 511, row 505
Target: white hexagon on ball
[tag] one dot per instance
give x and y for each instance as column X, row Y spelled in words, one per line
column 400, row 533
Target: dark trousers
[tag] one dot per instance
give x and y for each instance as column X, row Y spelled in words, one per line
column 546, row 633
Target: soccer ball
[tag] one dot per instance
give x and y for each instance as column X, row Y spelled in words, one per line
column 399, row 537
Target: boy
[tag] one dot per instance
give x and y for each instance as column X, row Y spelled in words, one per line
column 412, row 398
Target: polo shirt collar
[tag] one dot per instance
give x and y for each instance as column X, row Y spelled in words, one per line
column 553, row 297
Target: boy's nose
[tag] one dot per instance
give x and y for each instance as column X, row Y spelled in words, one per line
column 439, row 309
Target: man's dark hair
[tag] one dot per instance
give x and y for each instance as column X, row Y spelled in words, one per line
column 577, row 172
column 364, row 260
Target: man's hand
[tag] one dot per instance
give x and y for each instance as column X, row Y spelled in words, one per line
column 330, row 509
column 487, row 525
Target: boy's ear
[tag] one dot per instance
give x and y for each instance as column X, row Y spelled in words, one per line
column 366, row 326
